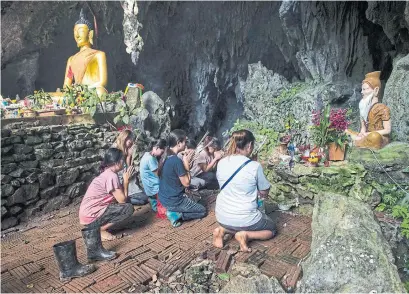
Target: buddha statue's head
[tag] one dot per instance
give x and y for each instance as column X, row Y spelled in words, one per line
column 370, row 90
column 83, row 31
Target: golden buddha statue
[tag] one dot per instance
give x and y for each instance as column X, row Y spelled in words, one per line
column 88, row 66
column 375, row 116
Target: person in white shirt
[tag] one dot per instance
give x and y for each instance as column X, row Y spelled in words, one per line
column 236, row 205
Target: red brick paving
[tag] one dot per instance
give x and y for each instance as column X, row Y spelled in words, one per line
column 151, row 247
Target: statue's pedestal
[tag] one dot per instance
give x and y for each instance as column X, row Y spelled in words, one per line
column 99, row 118
column 362, row 177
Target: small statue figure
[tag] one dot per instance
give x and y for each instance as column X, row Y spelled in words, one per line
column 88, row 66
column 374, row 116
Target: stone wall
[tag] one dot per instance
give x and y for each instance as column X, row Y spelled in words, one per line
column 44, row 168
column 360, row 176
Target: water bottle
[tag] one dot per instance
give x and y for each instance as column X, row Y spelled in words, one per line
column 261, row 206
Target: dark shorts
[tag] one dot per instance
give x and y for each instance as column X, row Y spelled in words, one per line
column 115, row 213
column 265, row 223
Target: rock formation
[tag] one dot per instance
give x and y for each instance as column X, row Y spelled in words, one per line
column 396, row 96
column 348, row 251
column 247, row 278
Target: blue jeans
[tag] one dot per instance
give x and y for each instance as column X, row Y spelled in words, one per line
column 189, row 209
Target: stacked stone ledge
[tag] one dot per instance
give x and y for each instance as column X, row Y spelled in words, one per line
column 45, row 168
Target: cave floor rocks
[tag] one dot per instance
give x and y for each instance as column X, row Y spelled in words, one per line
column 152, row 255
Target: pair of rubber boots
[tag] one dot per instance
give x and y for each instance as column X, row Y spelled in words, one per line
column 66, row 255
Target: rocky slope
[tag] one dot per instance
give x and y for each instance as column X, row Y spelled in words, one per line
column 198, row 53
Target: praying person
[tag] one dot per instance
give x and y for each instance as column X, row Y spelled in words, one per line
column 125, row 143
column 149, row 171
column 174, row 177
column 204, row 165
column 242, row 181
column 195, row 182
column 105, row 202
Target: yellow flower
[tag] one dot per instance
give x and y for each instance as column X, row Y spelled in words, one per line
column 35, row 92
column 72, row 104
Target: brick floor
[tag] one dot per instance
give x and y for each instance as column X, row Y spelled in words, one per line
column 150, row 247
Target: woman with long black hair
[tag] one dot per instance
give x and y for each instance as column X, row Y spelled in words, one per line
column 105, row 202
column 175, row 177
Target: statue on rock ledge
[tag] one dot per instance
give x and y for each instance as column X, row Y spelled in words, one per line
column 88, row 66
column 375, row 116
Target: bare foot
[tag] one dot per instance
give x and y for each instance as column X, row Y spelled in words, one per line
column 106, row 236
column 218, row 234
column 241, row 237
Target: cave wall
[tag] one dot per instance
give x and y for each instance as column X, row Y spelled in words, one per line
column 197, row 54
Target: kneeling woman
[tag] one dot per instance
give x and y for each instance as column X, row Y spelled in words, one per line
column 105, row 202
column 174, row 177
column 242, row 181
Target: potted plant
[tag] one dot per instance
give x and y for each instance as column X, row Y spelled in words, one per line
column 328, row 131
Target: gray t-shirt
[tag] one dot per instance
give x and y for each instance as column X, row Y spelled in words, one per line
column 236, row 204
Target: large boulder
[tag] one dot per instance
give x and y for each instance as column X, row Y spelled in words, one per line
column 153, row 117
column 388, row 161
column 348, row 251
column 396, row 98
column 247, row 278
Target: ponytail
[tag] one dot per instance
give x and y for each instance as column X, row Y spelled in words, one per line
column 175, row 137
column 162, row 161
column 239, row 140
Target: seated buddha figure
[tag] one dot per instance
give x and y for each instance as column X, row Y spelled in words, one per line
column 88, row 66
column 374, row 116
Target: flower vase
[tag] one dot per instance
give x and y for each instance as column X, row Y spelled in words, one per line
column 335, row 152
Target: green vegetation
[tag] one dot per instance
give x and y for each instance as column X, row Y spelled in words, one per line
column 390, row 198
column 262, row 134
column 290, row 92
column 125, row 113
column 87, row 98
column 40, row 99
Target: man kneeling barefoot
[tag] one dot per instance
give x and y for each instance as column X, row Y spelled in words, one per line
column 241, row 181
column 105, row 202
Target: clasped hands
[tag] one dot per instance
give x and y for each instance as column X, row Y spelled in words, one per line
column 128, row 173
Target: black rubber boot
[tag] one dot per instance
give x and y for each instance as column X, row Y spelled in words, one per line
column 66, row 255
column 95, row 250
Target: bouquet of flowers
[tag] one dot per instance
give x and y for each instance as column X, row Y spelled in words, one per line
column 329, row 126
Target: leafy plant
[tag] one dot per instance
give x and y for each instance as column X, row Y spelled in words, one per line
column 81, row 96
column 398, row 212
column 329, row 126
column 40, row 98
column 125, row 113
column 294, row 130
column 402, row 212
column 224, row 276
